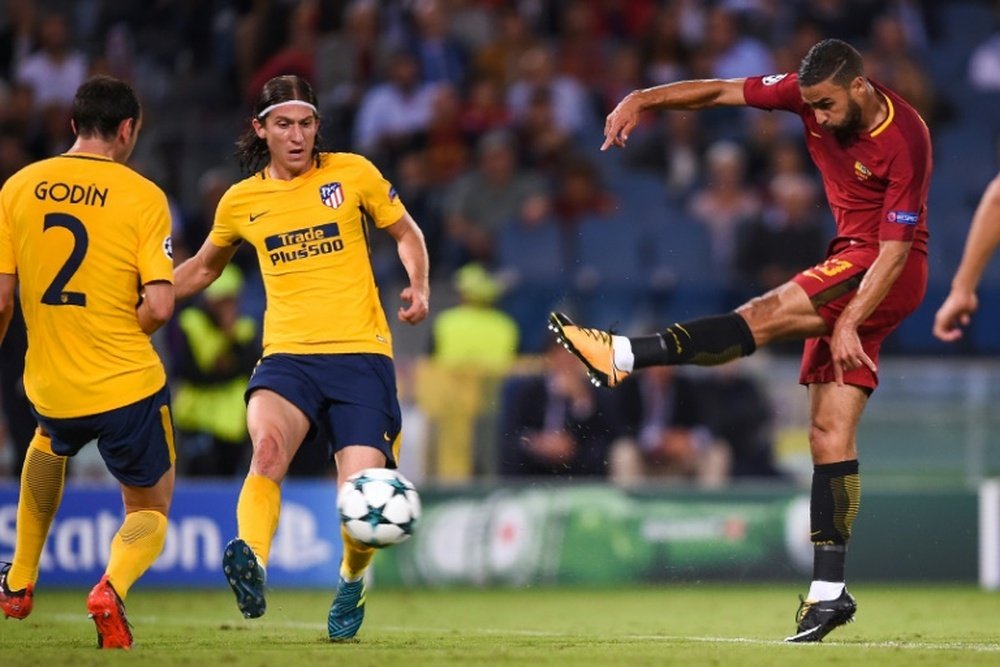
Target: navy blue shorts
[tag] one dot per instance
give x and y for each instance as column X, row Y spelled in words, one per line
column 136, row 441
column 351, row 397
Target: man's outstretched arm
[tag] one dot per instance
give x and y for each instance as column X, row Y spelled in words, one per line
column 689, row 95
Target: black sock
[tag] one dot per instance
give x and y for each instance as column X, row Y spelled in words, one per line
column 707, row 341
column 829, row 562
column 836, row 495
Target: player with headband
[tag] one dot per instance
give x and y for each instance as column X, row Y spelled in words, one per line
column 327, row 362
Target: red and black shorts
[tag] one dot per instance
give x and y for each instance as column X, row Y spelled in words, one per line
column 832, row 284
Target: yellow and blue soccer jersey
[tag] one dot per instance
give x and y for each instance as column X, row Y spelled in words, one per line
column 310, row 234
column 83, row 234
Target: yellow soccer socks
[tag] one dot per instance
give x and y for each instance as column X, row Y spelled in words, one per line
column 357, row 558
column 257, row 514
column 41, row 491
column 135, row 547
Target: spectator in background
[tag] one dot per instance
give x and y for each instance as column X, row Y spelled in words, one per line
column 733, row 54
column 472, row 23
column 484, row 109
column 673, row 148
column 261, row 30
column 297, row 55
column 446, row 146
column 842, row 19
column 557, row 423
column 664, row 416
column 13, row 152
column 583, row 52
column 500, row 59
column 442, row 58
column 787, row 157
column 664, row 54
column 725, row 203
column 17, row 36
column 786, row 236
column 474, row 345
column 543, row 144
column 475, row 332
column 892, row 60
column 740, row 415
column 211, row 185
column 621, row 75
column 56, row 70
column 768, row 134
column 394, row 116
column 482, row 201
column 218, row 351
column 20, row 120
column 579, row 193
column 347, row 61
column 570, row 106
column 424, row 201
column 984, row 65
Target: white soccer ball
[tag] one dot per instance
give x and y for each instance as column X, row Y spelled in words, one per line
column 378, row 507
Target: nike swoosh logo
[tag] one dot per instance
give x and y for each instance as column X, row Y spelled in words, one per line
column 253, row 218
column 810, row 274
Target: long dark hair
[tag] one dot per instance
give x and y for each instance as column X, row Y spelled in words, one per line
column 251, row 149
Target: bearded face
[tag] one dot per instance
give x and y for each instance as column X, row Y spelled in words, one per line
column 846, row 131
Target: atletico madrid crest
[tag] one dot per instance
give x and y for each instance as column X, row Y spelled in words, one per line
column 332, row 194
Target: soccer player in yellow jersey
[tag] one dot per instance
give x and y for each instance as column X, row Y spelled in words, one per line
column 327, row 360
column 88, row 241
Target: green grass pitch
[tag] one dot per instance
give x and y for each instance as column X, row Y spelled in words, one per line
column 708, row 624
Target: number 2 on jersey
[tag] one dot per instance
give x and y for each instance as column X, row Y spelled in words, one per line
column 55, row 294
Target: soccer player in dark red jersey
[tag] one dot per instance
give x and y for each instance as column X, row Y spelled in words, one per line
column 874, row 153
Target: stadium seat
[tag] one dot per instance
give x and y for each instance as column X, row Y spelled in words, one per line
column 609, row 276
column 532, row 261
column 685, row 284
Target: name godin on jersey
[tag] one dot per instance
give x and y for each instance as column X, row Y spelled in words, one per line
column 304, row 243
column 71, row 193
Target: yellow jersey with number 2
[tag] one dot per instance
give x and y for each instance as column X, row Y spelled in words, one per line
column 83, row 234
column 311, row 237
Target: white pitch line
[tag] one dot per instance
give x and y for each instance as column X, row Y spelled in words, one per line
column 299, row 625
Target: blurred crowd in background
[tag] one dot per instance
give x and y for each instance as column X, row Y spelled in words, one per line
column 487, row 116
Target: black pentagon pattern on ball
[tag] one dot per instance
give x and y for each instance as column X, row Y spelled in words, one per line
column 375, row 517
column 399, row 488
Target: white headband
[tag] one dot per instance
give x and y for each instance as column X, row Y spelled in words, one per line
column 298, row 103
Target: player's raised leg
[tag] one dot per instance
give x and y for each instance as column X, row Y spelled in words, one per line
column 42, row 480
column 786, row 312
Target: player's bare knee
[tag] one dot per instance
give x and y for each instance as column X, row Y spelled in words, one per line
column 270, row 457
column 764, row 317
column 828, row 443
